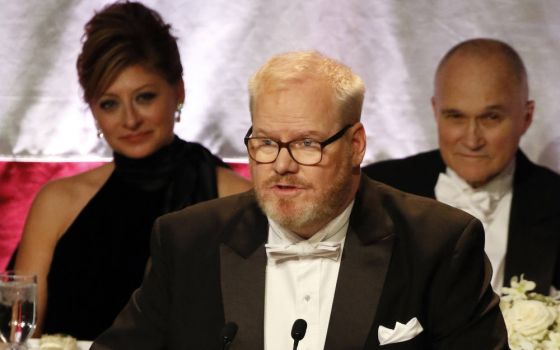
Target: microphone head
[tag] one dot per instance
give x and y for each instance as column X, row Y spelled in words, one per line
column 228, row 332
column 298, row 329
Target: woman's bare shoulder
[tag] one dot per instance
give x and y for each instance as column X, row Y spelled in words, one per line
column 230, row 182
column 79, row 185
column 60, row 201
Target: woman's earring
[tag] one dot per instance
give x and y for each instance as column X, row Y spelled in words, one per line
column 99, row 133
column 178, row 112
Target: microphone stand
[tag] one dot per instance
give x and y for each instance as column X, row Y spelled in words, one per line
column 298, row 331
column 228, row 334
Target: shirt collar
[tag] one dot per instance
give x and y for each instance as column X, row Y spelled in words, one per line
column 498, row 186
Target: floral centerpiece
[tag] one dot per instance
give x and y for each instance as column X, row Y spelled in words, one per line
column 532, row 319
column 57, row 342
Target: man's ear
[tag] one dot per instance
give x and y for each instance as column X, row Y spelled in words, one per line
column 358, row 143
column 434, row 110
column 528, row 117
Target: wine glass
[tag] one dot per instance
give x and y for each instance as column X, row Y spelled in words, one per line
column 18, row 299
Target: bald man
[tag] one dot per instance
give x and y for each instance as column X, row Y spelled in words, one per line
column 482, row 109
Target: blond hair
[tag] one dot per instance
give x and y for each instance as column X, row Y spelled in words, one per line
column 296, row 67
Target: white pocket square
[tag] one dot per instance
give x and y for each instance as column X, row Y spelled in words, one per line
column 402, row 332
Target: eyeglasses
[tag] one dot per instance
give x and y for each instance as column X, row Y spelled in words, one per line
column 304, row 152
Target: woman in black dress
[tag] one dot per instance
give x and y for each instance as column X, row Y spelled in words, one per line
column 87, row 236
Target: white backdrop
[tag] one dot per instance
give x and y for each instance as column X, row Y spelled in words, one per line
column 393, row 44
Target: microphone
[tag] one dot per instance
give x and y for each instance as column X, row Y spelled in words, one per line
column 298, row 331
column 228, row 333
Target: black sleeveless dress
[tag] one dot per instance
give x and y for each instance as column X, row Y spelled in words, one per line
column 101, row 259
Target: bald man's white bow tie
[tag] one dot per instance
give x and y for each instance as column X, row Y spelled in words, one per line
column 281, row 252
column 480, row 204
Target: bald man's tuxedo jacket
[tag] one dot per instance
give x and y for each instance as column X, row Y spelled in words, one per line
column 404, row 256
column 533, row 247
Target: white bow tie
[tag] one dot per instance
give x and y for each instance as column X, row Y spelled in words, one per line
column 480, row 204
column 281, row 252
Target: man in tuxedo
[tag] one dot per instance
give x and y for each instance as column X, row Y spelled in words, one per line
column 315, row 241
column 482, row 109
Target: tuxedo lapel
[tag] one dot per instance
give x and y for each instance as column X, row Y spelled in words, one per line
column 360, row 282
column 517, row 220
column 364, row 264
column 417, row 174
column 431, row 170
column 243, row 268
column 243, row 282
column 532, row 227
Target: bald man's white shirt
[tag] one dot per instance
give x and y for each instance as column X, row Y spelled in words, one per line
column 494, row 215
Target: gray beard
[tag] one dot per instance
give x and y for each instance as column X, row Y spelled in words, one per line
column 321, row 211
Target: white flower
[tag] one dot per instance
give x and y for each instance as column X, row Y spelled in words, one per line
column 518, row 290
column 553, row 343
column 532, row 319
column 57, row 342
column 518, row 342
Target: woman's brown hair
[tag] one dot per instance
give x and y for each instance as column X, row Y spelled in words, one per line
column 124, row 34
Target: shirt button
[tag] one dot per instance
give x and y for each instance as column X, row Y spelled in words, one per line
column 307, row 298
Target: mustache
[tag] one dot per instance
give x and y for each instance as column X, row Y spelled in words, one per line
column 287, row 180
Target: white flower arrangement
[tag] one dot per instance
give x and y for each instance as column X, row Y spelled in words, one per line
column 532, row 319
column 57, row 342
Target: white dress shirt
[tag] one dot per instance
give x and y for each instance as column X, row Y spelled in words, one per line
column 490, row 204
column 302, row 286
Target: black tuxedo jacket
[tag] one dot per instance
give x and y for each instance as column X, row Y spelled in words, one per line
column 533, row 247
column 405, row 256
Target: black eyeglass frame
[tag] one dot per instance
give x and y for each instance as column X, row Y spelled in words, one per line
column 286, row 145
